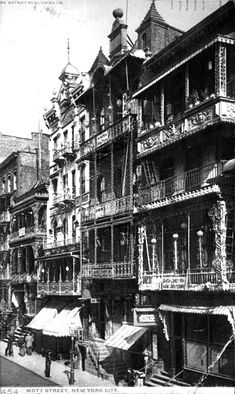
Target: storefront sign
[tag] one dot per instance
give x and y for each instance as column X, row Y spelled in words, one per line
column 144, row 316
column 22, row 232
column 102, row 138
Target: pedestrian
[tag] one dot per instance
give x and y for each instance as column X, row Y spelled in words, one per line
column 21, row 344
column 29, row 343
column 9, row 348
column 22, row 350
column 48, row 364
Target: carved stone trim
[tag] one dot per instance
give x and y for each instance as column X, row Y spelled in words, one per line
column 217, row 213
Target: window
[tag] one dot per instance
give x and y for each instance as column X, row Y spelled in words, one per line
column 65, row 182
column 73, row 226
column 65, row 228
column 83, row 179
column 65, row 137
column 73, row 182
column 15, row 180
column 144, row 41
column 101, row 189
column 3, row 185
column 83, row 130
column 54, row 185
column 9, row 183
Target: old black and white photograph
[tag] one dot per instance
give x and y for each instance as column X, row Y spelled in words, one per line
column 117, row 196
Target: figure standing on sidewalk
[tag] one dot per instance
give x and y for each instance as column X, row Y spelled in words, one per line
column 29, row 343
column 9, row 348
column 48, row 364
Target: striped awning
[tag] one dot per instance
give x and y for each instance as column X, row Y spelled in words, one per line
column 63, row 321
column 125, row 337
column 45, row 315
column 224, row 310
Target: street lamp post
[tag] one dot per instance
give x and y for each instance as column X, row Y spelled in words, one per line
column 72, row 331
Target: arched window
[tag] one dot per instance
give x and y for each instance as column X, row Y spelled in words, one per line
column 42, row 217
column 83, row 179
column 101, row 189
column 15, row 180
column 144, row 40
column 9, row 183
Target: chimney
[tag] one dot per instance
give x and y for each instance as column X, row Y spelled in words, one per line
column 118, row 44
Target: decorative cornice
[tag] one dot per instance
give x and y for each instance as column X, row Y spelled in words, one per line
column 179, row 198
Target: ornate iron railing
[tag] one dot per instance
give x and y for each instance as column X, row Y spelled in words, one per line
column 107, row 208
column 188, row 280
column 186, row 182
column 115, row 270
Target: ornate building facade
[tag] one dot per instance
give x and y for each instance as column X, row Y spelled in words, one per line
column 140, row 233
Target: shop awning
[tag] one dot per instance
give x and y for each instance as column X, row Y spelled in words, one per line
column 45, row 315
column 225, row 310
column 60, row 325
column 125, row 337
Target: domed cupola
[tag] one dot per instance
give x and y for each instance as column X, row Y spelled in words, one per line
column 69, row 73
column 118, row 43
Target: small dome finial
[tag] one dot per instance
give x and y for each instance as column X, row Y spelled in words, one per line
column 117, row 13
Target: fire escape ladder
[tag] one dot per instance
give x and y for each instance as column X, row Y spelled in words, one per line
column 125, row 167
column 150, row 172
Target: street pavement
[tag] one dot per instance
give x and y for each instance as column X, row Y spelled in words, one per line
column 59, row 372
column 12, row 374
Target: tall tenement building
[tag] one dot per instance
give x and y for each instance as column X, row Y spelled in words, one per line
column 23, row 198
column 139, row 258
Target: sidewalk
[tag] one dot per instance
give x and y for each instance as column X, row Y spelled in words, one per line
column 59, row 371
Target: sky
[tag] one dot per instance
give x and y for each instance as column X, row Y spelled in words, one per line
column 33, row 46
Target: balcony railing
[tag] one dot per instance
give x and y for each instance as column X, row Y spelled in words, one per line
column 67, row 150
column 58, row 155
column 187, row 182
column 61, row 243
column 190, row 280
column 190, row 122
column 4, row 217
column 112, row 132
column 58, row 288
column 107, row 208
column 117, row 270
column 68, row 195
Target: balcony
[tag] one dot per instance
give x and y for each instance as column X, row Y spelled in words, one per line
column 188, row 182
column 24, row 232
column 62, row 198
column 113, row 132
column 193, row 280
column 115, row 270
column 68, row 151
column 23, row 278
column 117, row 206
column 62, row 246
column 58, row 156
column 190, row 122
column 58, row 288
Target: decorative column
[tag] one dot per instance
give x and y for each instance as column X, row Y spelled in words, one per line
column 162, row 103
column 112, row 250
column 217, row 213
column 175, row 241
column 186, row 84
column 141, row 237
column 220, row 70
column 35, row 210
column 19, row 268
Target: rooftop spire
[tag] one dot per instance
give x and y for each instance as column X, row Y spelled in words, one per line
column 152, row 14
column 68, row 50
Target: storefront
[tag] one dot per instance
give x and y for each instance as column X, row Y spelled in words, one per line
column 196, row 350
